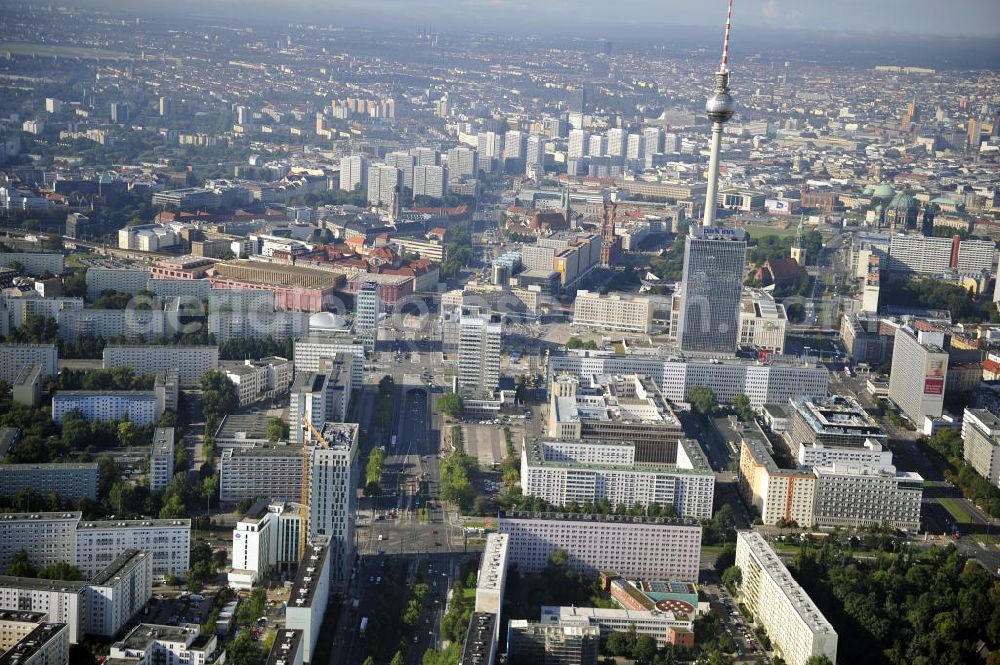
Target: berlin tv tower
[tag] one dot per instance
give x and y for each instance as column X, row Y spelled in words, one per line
column 720, row 107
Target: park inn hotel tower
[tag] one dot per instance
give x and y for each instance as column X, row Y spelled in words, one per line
column 714, row 258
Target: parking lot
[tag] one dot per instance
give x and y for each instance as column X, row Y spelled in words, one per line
column 484, row 442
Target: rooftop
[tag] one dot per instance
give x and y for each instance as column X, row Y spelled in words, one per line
column 596, row 518
column 38, row 584
column 31, row 517
column 535, row 452
column 135, row 524
column 478, row 649
column 774, row 569
column 49, row 466
column 123, row 564
column 243, row 427
column 307, row 577
column 837, row 415
column 491, row 570
column 286, row 643
column 144, row 634
column 163, row 442
column 339, row 435
column 31, row 643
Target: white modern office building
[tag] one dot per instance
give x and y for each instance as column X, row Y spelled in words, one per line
column 561, row 472
column 142, row 407
column 796, row 627
column 919, row 373
column 191, row 362
column 762, row 322
column 613, row 311
column 479, row 355
column 655, row 623
column 642, row 547
column 308, row 352
column 266, row 537
column 367, row 313
column 981, row 443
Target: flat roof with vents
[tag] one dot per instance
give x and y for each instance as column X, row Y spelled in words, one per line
column 286, row 644
column 308, row 576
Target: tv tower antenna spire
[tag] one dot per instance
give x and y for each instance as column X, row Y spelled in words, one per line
column 720, row 107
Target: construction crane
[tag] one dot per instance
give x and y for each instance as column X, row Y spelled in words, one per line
column 306, row 483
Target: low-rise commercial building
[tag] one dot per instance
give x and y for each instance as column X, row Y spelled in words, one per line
column 295, row 288
column 608, row 408
column 552, row 642
column 836, row 420
column 648, row 547
column 613, row 312
column 796, row 627
column 153, row 644
column 657, row 624
column 762, row 322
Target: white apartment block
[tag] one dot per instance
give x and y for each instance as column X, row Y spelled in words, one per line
column 353, row 173
column 777, row 494
column 257, row 325
column 762, row 322
column 35, row 264
column 166, row 645
column 430, row 181
column 816, row 454
column 14, row 311
column 798, row 630
column 142, row 407
column 199, row 289
column 47, row 537
column 548, row 473
column 613, row 312
column 384, row 184
column 118, row 593
column 189, row 361
column 919, row 374
column 15, row 625
column 167, row 541
column 308, row 597
column 274, row 472
column 123, row 280
column 242, row 300
column 643, row 547
column 62, row 601
column 981, row 443
column 333, row 496
column 308, row 352
column 654, row 623
column 15, row 356
column 259, row 379
column 773, row 383
column 860, row 495
column 265, row 537
column 937, row 256
column 479, row 355
column 107, row 323
column 67, row 479
column 161, row 459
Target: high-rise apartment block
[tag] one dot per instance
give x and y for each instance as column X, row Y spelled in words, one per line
column 463, row 162
column 714, row 261
column 333, row 496
column 384, row 184
column 981, row 443
column 798, row 630
column 354, row 173
column 430, row 180
column 161, row 459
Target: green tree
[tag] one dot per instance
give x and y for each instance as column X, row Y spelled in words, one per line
column 398, row 659
column 61, row 571
column 703, row 400
column 277, row 429
column 244, row 650
column 218, row 395
column 450, row 404
column 742, row 407
column 20, row 565
column 645, row 649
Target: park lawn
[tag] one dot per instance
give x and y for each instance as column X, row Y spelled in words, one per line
column 953, row 507
column 50, row 50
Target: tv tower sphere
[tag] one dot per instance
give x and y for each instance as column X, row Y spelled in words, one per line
column 720, row 107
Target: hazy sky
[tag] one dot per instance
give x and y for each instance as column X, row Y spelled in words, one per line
column 923, row 17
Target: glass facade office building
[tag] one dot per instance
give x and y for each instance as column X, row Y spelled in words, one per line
column 714, row 261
